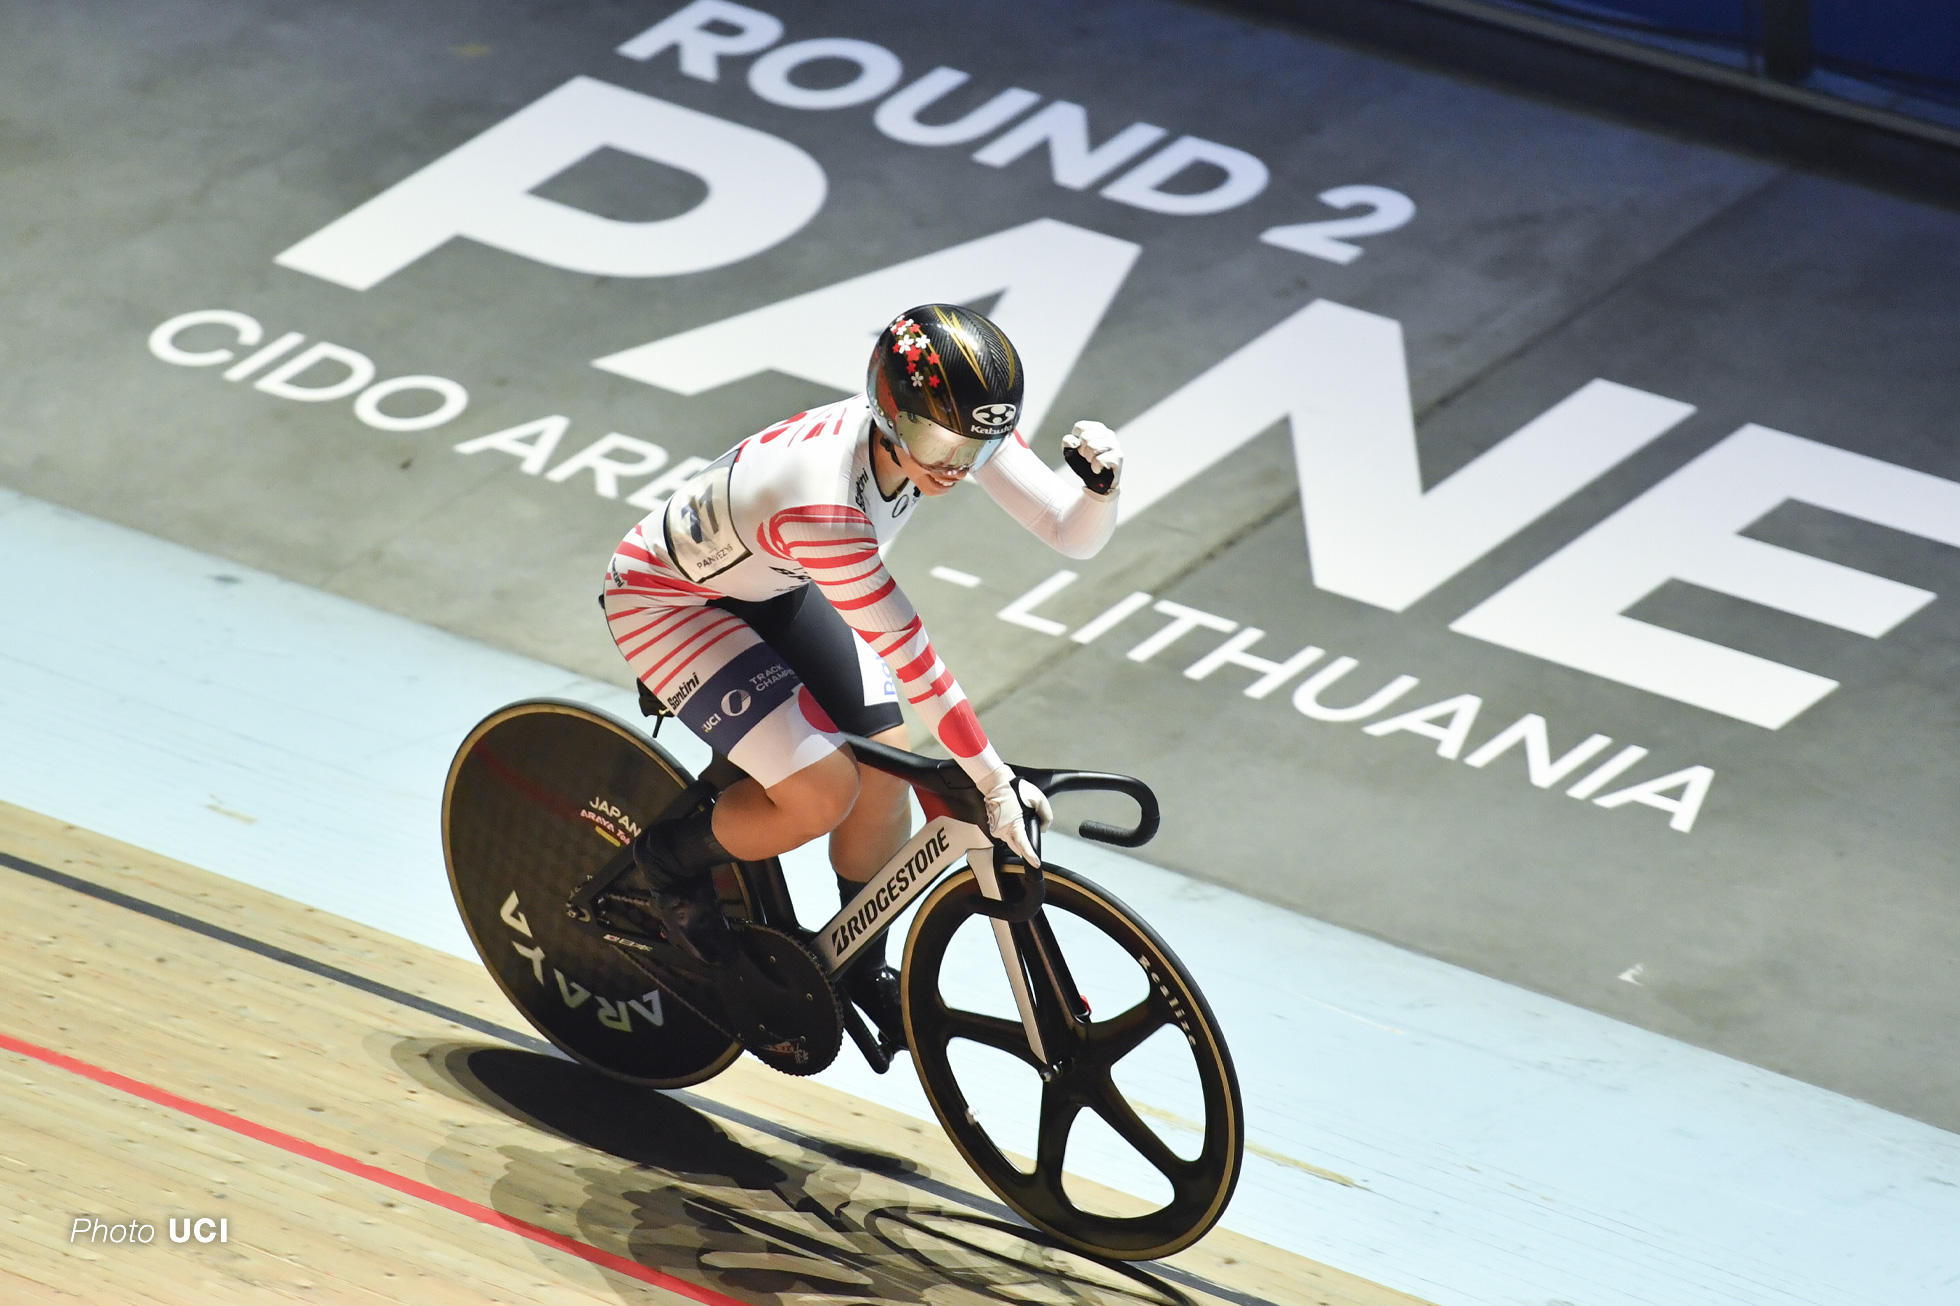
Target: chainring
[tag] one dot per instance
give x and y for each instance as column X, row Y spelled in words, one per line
column 782, row 1006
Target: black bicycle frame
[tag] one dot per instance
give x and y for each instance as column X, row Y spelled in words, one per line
column 956, row 828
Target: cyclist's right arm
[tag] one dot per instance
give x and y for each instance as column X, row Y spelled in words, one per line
column 836, row 546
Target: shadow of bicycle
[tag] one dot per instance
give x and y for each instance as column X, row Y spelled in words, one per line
column 643, row 1174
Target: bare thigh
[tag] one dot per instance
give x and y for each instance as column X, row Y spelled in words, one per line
column 878, row 822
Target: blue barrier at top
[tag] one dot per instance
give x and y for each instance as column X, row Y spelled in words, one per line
column 1915, row 42
column 1901, row 54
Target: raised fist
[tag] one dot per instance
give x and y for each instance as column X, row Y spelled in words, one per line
column 1092, row 452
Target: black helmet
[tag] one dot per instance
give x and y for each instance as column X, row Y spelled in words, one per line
column 946, row 383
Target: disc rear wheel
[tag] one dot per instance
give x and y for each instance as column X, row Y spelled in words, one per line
column 1159, row 1041
column 541, row 796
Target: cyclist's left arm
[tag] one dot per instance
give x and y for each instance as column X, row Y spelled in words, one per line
column 1059, row 508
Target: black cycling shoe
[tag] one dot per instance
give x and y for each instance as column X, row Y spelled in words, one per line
column 691, row 915
column 875, row 991
column 687, row 905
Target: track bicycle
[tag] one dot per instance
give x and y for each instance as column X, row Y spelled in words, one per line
column 542, row 803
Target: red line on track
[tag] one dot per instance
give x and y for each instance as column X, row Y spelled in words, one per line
column 361, row 1169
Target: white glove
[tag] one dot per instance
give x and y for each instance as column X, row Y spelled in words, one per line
column 1010, row 805
column 1091, row 449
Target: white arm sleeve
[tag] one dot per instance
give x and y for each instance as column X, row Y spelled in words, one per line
column 1056, row 508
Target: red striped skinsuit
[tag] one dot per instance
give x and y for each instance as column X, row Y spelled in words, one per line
column 797, row 504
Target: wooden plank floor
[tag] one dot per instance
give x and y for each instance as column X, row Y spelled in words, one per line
column 498, row 1174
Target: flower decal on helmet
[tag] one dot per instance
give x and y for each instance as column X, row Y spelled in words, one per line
column 909, row 341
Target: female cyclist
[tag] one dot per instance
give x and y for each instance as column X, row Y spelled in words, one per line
column 710, row 600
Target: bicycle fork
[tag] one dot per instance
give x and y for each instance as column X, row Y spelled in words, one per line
column 1028, row 947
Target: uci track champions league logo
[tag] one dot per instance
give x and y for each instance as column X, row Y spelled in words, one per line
column 1335, row 376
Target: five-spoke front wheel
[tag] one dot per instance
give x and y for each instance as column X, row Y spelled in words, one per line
column 1084, row 949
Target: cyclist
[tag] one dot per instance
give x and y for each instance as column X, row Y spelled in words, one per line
column 709, row 599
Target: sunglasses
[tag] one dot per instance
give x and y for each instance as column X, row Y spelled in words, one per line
column 938, row 450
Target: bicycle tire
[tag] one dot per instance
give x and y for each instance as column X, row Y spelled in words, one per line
column 541, row 794
column 1201, row 1189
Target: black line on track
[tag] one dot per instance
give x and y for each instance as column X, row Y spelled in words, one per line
column 272, row 952
column 429, row 1007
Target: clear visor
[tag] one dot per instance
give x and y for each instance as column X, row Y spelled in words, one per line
column 939, row 450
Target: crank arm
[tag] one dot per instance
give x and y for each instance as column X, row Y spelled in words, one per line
column 673, row 969
column 868, row 1043
column 583, row 905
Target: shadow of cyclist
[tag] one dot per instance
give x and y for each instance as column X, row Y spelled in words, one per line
column 754, row 1219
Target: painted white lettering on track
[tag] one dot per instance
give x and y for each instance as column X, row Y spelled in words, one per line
column 1233, row 653
column 1183, row 620
column 700, row 36
column 600, row 458
column 760, row 191
column 1339, row 378
column 1570, row 608
column 1021, row 611
column 320, row 373
column 1054, row 282
column 1450, row 721
column 698, row 31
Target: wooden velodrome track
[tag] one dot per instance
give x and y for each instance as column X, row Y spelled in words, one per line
column 373, row 1124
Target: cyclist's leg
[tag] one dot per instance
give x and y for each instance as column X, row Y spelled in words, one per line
column 878, row 823
column 856, row 691
column 718, row 675
column 715, row 672
column 864, row 842
column 754, row 821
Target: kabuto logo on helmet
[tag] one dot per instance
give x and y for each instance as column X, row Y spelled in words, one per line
column 993, row 419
